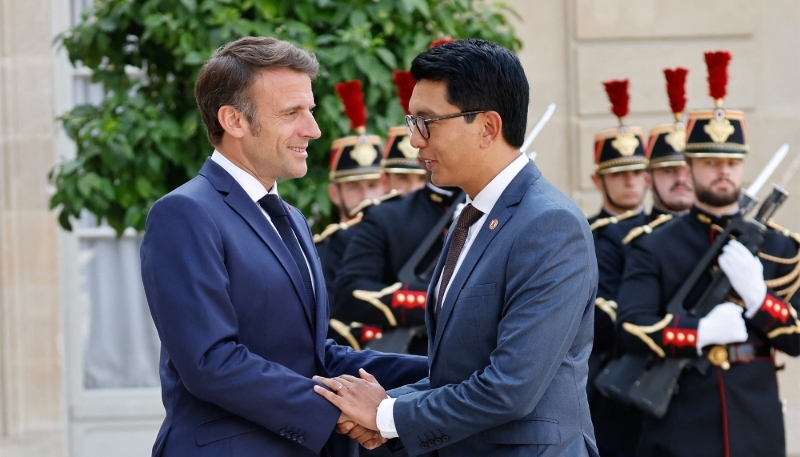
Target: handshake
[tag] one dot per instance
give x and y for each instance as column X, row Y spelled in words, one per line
column 358, row 399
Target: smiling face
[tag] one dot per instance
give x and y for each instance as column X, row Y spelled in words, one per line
column 347, row 195
column 275, row 147
column 452, row 153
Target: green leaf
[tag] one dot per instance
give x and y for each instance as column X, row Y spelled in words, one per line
column 143, row 187
column 387, row 57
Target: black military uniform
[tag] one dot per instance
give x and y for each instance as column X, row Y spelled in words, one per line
column 368, row 289
column 733, row 408
column 353, row 158
column 616, row 150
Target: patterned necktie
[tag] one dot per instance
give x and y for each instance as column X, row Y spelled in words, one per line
column 274, row 207
column 469, row 215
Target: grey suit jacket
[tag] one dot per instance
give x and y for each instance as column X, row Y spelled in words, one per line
column 508, row 356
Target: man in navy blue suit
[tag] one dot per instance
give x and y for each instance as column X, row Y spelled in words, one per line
column 511, row 305
column 234, row 283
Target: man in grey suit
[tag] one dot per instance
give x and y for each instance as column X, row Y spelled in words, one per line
column 512, row 300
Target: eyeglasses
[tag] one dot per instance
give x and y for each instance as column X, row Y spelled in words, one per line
column 421, row 123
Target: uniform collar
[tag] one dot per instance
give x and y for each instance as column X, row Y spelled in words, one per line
column 705, row 218
column 441, row 195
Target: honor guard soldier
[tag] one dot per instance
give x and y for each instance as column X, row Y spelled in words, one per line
column 620, row 174
column 620, row 163
column 387, row 265
column 355, row 176
column 400, row 165
column 726, row 402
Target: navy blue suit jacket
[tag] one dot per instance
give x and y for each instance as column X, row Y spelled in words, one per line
column 238, row 345
column 509, row 354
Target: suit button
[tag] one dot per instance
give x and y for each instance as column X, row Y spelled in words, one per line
column 424, row 445
column 431, row 443
column 445, row 438
column 300, row 439
column 438, row 441
column 282, row 432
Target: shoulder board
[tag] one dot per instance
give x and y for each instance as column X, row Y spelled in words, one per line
column 783, row 231
column 394, row 193
column 333, row 228
column 600, row 223
column 647, row 228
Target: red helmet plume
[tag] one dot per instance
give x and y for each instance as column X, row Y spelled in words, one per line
column 617, row 91
column 353, row 100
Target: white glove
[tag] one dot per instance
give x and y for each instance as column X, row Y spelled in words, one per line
column 746, row 275
column 723, row 325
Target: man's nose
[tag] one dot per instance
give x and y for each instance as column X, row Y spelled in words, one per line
column 311, row 129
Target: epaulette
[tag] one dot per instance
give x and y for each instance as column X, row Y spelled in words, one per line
column 613, row 219
column 391, row 195
column 333, row 228
column 783, row 231
column 647, row 228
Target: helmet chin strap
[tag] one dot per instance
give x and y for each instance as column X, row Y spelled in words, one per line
column 657, row 200
column 344, row 211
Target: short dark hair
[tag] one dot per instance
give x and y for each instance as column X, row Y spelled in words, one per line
column 480, row 75
column 226, row 78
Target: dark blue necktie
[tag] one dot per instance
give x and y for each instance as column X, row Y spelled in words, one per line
column 273, row 205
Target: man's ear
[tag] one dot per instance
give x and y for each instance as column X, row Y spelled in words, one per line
column 232, row 121
column 333, row 193
column 492, row 128
column 598, row 181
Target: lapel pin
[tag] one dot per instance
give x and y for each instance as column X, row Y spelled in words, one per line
column 493, row 224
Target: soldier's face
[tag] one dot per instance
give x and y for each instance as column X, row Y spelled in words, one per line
column 717, row 180
column 625, row 188
column 405, row 182
column 347, row 195
column 673, row 187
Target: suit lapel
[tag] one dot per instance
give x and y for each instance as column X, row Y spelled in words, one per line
column 238, row 200
column 503, row 210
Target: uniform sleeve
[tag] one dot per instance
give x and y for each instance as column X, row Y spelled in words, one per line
column 610, row 265
column 366, row 291
column 777, row 318
column 644, row 327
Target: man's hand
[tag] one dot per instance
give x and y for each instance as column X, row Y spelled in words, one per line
column 723, row 325
column 357, row 398
column 370, row 439
column 745, row 273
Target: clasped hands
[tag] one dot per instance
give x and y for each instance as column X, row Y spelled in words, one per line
column 358, row 399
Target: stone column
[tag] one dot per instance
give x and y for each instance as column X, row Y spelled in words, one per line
column 32, row 406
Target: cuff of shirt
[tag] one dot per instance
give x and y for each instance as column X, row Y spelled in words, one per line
column 385, row 419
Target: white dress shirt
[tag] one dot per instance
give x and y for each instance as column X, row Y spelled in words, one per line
column 484, row 201
column 256, row 191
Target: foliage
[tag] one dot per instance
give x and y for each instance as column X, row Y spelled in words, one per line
column 146, row 137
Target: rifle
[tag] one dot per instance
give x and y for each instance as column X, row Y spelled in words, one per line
column 637, row 379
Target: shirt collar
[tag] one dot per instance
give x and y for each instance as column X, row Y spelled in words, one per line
column 255, row 190
column 487, row 197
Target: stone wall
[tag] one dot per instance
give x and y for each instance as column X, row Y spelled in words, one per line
column 32, row 411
